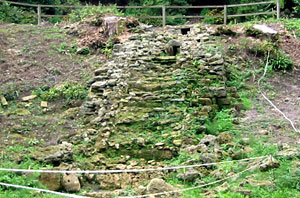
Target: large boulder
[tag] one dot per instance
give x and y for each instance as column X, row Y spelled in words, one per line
column 113, row 181
column 51, row 180
column 209, row 140
column 191, row 175
column 71, row 183
column 224, row 138
column 54, row 154
column 159, row 185
column 172, row 47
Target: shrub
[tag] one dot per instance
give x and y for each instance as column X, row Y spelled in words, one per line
column 297, row 6
column 250, row 31
column 65, row 48
column 279, row 61
column 12, row 14
column 68, row 91
column 80, row 14
column 158, row 11
column 10, row 91
column 215, row 20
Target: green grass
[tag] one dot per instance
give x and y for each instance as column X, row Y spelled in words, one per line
column 29, row 180
column 293, row 25
column 68, row 91
column 221, row 122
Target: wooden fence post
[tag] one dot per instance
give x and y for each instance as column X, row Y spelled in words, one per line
column 39, row 12
column 278, row 9
column 225, row 14
column 163, row 15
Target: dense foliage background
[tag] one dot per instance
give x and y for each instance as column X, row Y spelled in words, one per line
column 17, row 14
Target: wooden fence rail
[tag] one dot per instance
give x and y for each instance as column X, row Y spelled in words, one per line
column 163, row 10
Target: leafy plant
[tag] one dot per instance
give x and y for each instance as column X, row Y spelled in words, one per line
column 84, row 51
column 297, row 6
column 293, row 24
column 65, row 48
column 13, row 14
column 196, row 63
column 280, row 61
column 211, row 17
column 221, row 122
column 30, row 180
column 68, row 91
column 107, row 50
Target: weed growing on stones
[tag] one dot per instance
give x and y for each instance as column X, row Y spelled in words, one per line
column 68, row 91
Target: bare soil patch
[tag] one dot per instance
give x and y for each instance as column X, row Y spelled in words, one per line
column 32, row 57
column 264, row 120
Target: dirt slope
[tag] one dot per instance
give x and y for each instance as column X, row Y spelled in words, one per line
column 33, row 56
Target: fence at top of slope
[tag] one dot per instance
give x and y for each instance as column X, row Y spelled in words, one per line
column 163, row 8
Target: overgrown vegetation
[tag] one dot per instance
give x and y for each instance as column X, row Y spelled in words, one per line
column 80, row 14
column 13, row 14
column 270, row 50
column 10, row 91
column 70, row 92
column 221, row 122
column 20, row 15
column 20, row 179
column 293, row 25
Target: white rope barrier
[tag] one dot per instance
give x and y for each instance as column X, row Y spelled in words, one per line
column 269, row 101
column 138, row 196
column 42, row 190
column 126, row 170
column 195, row 187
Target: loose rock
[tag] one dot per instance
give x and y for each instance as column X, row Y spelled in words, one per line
column 71, row 183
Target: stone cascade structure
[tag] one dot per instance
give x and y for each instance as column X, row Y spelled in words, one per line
column 147, row 103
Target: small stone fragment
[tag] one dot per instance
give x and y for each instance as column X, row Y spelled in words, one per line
column 27, row 98
column 44, row 104
column 239, row 155
column 3, row 101
column 259, row 183
column 159, row 144
column 141, row 190
column 205, row 101
column 28, row 104
column 265, row 29
column 53, row 154
column 190, row 175
column 222, row 188
column 177, row 142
